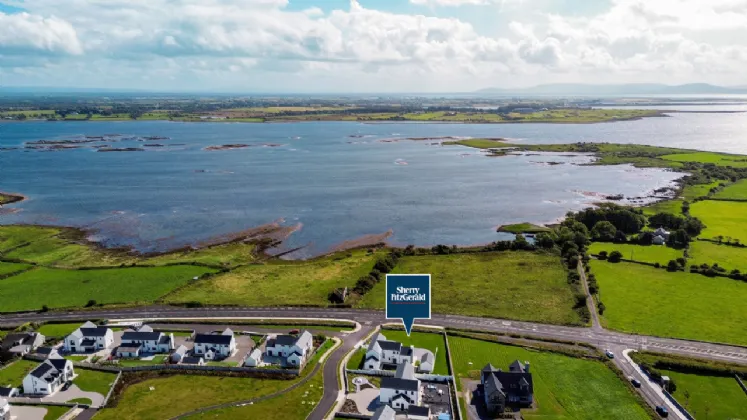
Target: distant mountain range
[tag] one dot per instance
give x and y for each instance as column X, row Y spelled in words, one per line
column 570, row 89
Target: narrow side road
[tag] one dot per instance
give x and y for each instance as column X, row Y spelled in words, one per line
column 595, row 324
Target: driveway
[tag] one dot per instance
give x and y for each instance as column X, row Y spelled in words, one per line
column 367, row 400
column 74, row 392
column 27, row 412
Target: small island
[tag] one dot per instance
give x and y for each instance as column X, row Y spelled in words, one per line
column 525, row 227
column 7, row 198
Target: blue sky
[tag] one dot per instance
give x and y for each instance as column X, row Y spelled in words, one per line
column 369, row 45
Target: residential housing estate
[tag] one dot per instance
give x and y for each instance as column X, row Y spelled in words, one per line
column 89, row 338
column 382, row 354
column 512, row 388
column 48, row 377
column 295, row 349
column 215, row 346
column 402, row 390
column 145, row 341
column 21, row 343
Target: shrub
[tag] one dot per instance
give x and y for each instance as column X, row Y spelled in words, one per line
column 90, row 303
column 672, row 265
column 602, row 255
column 615, row 257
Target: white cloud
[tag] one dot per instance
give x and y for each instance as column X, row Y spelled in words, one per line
column 23, row 34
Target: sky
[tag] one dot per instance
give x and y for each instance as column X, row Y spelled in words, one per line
column 375, row 46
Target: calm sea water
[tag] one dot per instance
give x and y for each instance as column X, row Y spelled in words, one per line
column 336, row 186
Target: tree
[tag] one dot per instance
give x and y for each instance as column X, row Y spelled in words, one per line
column 672, row 265
column 90, row 303
column 603, row 231
column 615, row 257
column 646, row 238
column 620, row 237
column 678, row 239
column 602, row 255
column 520, row 242
column 544, row 240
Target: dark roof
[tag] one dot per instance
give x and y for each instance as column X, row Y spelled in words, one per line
column 94, row 332
column 516, row 366
column 285, row 340
column 513, row 383
column 140, row 336
column 397, row 383
column 489, row 368
column 404, row 397
column 45, row 350
column 390, row 345
column 5, row 391
column 417, row 410
column 58, row 364
column 406, row 351
column 10, row 340
column 213, row 339
column 191, row 360
column 88, row 342
column 41, row 370
column 372, row 357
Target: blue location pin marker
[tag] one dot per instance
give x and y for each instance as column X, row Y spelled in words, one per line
column 408, row 296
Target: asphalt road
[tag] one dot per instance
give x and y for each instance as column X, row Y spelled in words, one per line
column 602, row 339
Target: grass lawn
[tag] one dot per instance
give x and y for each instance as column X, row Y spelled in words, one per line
column 712, row 397
column 226, row 255
column 431, row 341
column 653, row 301
column 724, row 218
column 720, row 159
column 71, row 288
column 55, row 412
column 652, row 253
column 280, row 282
column 94, row 380
column 14, row 373
column 736, row 191
column 76, row 358
column 356, row 359
column 691, row 192
column 8, row 268
column 58, row 330
column 178, row 394
column 666, row 206
column 527, row 286
column 81, row 401
column 726, row 256
column 564, row 387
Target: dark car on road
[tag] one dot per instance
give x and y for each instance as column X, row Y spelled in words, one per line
column 662, row 411
column 636, row 383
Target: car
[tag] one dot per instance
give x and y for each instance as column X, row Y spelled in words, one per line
column 609, row 354
column 662, row 411
column 429, row 386
column 636, row 383
column 66, row 386
column 294, row 331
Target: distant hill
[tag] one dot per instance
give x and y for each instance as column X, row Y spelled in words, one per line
column 570, row 89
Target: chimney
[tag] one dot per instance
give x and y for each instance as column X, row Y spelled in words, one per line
column 526, row 366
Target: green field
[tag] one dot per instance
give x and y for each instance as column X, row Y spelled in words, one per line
column 527, row 286
column 652, row 301
column 94, row 380
column 722, row 218
column 712, row 397
column 735, row 191
column 523, row 228
column 54, row 412
column 58, row 330
column 690, row 192
column 564, row 387
column 178, row 394
column 280, row 282
column 14, row 373
column 651, row 253
column 74, row 288
column 430, row 341
column 666, row 206
column 728, row 257
column 9, row 268
column 721, row 159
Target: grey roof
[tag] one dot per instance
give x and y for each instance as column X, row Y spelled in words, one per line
column 129, row 348
column 405, row 371
column 256, row 354
column 213, row 339
column 406, row 351
column 284, row 340
column 390, row 345
column 417, row 410
column 427, row 357
column 42, row 370
column 141, row 336
column 88, row 342
column 45, row 350
column 181, row 350
column 6, row 391
column 191, row 360
column 384, row 413
column 58, row 362
column 376, row 338
column 145, row 328
column 516, row 366
column 305, row 339
column 94, row 332
column 399, row 383
column 515, row 382
column 14, row 339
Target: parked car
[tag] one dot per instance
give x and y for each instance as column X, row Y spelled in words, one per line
column 636, row 383
column 609, row 354
column 662, row 411
column 66, row 386
column 294, row 331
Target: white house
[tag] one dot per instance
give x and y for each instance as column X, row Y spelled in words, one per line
column 4, row 409
column 179, row 354
column 88, row 338
column 662, row 232
column 402, row 390
column 381, row 351
column 294, row 349
column 48, row 377
column 215, row 346
column 254, row 358
column 658, row 240
column 145, row 340
column 20, row 344
column 427, row 360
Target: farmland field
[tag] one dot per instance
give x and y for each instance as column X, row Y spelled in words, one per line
column 178, row 394
column 564, row 387
column 654, row 301
column 713, row 397
column 691, row 192
column 720, row 159
column 9, row 268
column 280, row 283
column 71, row 288
column 736, row 191
column 728, row 257
column 722, row 218
column 666, row 206
column 651, row 253
column 515, row 285
column 430, row 341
